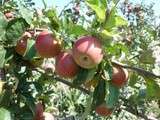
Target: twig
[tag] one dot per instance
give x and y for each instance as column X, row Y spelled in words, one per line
column 64, row 8
column 73, row 86
column 140, row 71
column 36, row 29
column 44, row 3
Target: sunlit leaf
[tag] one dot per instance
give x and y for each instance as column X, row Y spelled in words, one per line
column 153, row 89
column 4, row 114
column 52, row 16
column 3, row 22
column 76, row 30
column 146, row 57
column 26, row 14
column 114, row 20
column 99, row 6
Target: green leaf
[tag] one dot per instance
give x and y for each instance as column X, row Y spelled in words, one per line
column 99, row 93
column 3, row 25
column 146, row 57
column 5, row 98
column 153, row 89
column 117, row 49
column 52, row 16
column 30, row 50
column 113, row 96
column 29, row 100
column 2, row 56
column 109, row 34
column 4, row 114
column 133, row 79
column 3, row 22
column 114, row 20
column 83, row 76
column 76, row 30
column 26, row 13
column 99, row 6
column 15, row 29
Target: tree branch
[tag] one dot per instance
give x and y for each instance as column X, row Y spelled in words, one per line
column 140, row 71
column 65, row 8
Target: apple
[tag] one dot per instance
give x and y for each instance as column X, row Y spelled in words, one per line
column 48, row 116
column 103, row 110
column 119, row 76
column 39, row 112
column 22, row 43
column 87, row 52
column 65, row 65
column 47, row 45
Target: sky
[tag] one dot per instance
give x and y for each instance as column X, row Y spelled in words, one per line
column 61, row 3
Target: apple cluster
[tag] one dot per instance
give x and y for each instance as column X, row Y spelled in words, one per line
column 86, row 53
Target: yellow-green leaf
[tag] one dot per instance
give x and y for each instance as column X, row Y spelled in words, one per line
column 99, row 6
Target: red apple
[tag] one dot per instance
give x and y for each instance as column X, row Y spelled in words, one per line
column 47, row 45
column 66, row 66
column 39, row 112
column 87, row 52
column 103, row 110
column 22, row 43
column 119, row 76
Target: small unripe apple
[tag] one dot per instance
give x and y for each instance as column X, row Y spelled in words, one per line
column 103, row 110
column 48, row 116
column 66, row 66
column 87, row 52
column 9, row 15
column 39, row 112
column 47, row 45
column 119, row 76
column 22, row 43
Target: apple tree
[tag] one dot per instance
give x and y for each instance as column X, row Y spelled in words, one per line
column 94, row 60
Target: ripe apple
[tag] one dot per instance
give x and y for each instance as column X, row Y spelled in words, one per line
column 39, row 112
column 22, row 43
column 119, row 76
column 103, row 110
column 48, row 116
column 65, row 65
column 47, row 45
column 87, row 52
